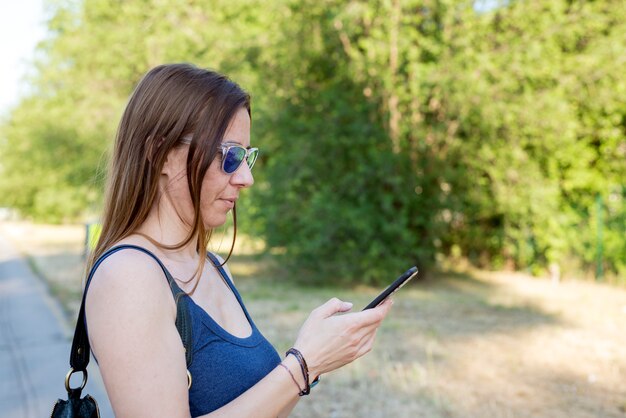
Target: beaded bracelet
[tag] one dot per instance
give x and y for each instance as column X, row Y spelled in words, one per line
column 292, row 377
column 305, row 371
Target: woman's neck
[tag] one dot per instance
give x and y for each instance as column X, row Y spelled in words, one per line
column 164, row 226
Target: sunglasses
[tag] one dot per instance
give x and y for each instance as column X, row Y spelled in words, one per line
column 233, row 155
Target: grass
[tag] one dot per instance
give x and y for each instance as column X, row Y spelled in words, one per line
column 459, row 345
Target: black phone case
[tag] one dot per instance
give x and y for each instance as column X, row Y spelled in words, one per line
column 393, row 287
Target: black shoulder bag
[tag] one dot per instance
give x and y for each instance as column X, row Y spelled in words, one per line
column 87, row 407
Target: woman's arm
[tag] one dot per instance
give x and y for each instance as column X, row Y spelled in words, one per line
column 130, row 315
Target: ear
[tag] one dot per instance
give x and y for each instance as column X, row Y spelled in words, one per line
column 152, row 148
column 175, row 162
column 168, row 164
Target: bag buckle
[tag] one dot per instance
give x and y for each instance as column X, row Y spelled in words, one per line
column 69, row 374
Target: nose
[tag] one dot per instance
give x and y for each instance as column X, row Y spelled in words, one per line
column 242, row 177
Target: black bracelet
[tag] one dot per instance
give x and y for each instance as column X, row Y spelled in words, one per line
column 305, row 370
column 303, row 367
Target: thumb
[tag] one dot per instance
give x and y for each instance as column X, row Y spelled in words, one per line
column 332, row 307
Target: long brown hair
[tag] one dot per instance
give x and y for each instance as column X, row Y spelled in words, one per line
column 170, row 102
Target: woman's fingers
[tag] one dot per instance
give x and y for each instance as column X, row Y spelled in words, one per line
column 366, row 334
column 372, row 316
column 367, row 343
column 329, row 341
column 364, row 344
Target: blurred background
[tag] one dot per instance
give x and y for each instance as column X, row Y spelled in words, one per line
column 484, row 141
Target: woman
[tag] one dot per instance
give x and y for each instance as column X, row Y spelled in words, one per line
column 182, row 155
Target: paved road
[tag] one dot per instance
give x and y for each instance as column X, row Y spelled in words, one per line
column 34, row 344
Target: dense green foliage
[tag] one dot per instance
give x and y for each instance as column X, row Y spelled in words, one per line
column 392, row 132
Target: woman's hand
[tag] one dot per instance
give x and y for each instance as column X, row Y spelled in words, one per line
column 328, row 341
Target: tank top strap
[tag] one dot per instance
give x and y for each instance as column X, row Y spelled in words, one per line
column 218, row 265
column 183, row 317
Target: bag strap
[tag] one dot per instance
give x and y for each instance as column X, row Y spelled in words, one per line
column 80, row 352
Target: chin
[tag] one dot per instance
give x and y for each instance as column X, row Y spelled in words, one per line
column 214, row 222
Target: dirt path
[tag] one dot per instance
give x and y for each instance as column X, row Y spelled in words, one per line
column 491, row 345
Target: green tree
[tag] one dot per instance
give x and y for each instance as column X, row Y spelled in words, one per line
column 392, row 131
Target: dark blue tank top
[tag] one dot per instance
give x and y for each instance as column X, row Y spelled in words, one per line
column 224, row 366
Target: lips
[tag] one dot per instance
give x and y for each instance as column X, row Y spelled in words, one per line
column 229, row 201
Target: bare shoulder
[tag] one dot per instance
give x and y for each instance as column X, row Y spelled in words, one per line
column 128, row 284
column 128, row 271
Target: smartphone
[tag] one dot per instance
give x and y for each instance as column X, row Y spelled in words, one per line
column 393, row 287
